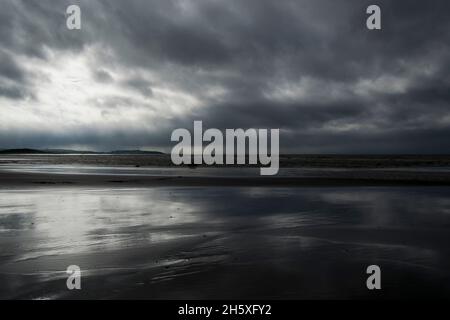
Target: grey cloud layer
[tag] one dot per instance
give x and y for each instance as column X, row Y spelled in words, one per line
column 310, row 68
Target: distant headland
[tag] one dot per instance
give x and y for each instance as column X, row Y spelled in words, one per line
column 67, row 151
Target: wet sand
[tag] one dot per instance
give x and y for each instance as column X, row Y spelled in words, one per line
column 199, row 234
column 10, row 179
column 221, row 242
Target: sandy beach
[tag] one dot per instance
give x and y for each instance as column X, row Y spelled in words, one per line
column 164, row 233
column 153, row 177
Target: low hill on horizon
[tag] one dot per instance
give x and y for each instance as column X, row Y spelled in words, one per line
column 66, row 151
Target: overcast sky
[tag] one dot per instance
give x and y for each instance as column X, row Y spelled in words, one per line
column 139, row 69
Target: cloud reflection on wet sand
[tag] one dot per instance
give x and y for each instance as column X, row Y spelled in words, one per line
column 223, row 242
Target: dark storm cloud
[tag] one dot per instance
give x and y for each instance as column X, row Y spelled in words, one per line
column 13, row 92
column 102, row 76
column 9, row 70
column 140, row 85
column 285, row 116
column 13, row 79
column 310, row 68
column 28, row 26
column 93, row 138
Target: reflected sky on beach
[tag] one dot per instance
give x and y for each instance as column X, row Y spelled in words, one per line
column 43, row 230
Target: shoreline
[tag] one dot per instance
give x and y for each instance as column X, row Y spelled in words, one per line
column 10, row 179
column 285, row 160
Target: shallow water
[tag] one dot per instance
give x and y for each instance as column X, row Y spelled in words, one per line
column 159, row 166
column 212, row 172
column 225, row 242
